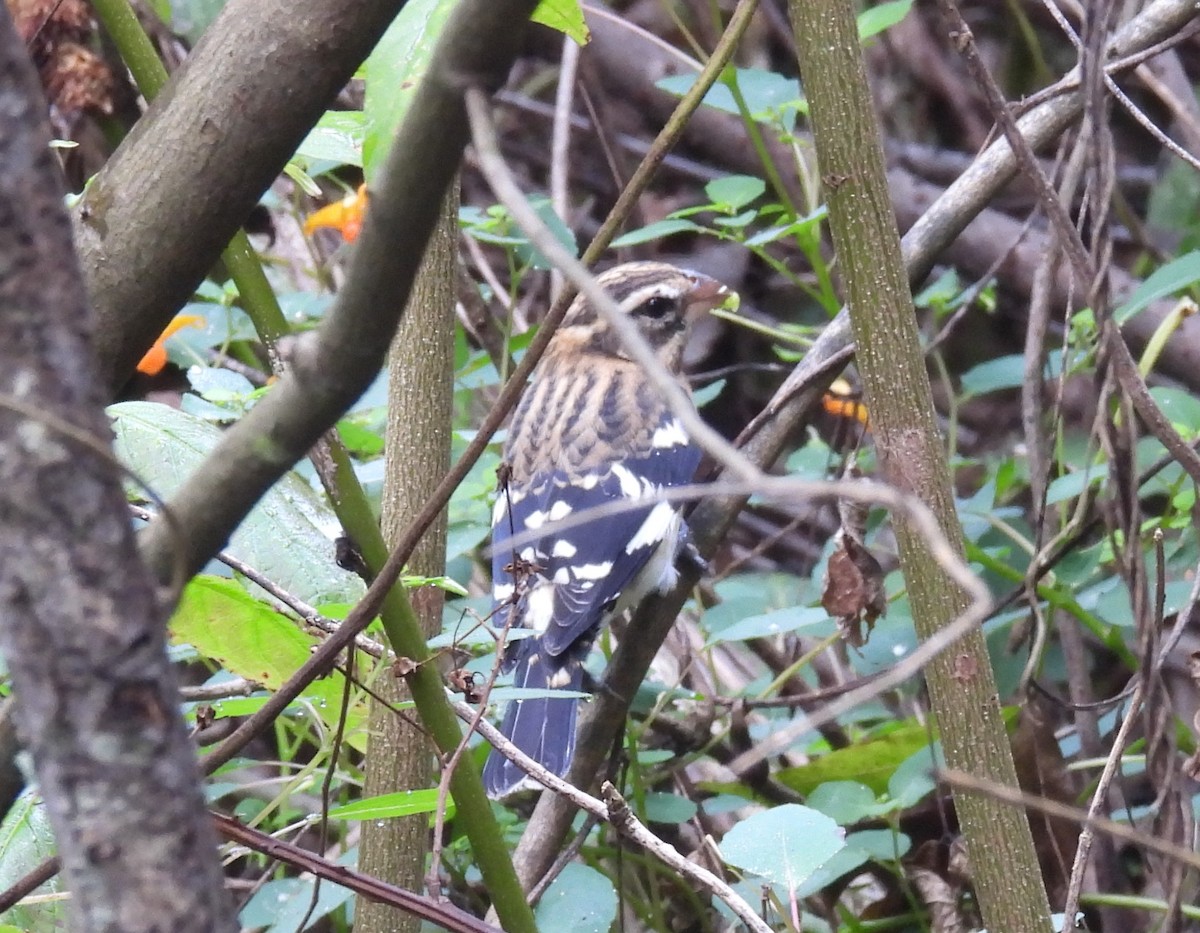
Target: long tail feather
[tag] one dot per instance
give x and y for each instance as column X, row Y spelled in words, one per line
column 543, row 728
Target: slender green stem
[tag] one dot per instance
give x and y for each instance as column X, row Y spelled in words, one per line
column 400, row 623
column 137, row 51
column 729, row 79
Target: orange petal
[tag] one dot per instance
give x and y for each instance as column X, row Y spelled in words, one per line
column 156, row 357
column 346, row 216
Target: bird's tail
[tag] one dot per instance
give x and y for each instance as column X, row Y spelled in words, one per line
column 542, row 727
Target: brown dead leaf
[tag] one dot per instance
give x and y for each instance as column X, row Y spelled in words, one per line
column 853, row 591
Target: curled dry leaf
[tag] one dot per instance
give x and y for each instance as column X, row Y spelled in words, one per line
column 58, row 34
column 853, row 590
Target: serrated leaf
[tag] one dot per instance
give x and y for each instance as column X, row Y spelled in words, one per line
column 286, row 537
column 785, row 845
column 564, row 15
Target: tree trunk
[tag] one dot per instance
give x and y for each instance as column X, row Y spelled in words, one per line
column 420, row 413
column 962, row 688
column 80, row 625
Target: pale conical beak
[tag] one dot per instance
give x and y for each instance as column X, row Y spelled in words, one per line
column 707, row 294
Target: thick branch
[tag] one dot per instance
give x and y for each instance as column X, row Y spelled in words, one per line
column 97, row 704
column 911, row 456
column 152, row 222
column 332, row 368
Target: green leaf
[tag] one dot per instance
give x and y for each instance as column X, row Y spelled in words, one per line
column 875, row 20
column 777, row 622
column 387, row 806
column 785, row 844
column 581, row 900
column 870, row 762
column 27, row 840
column 288, row 535
column 1180, row 407
column 189, row 18
column 1175, row 276
column 564, row 15
column 768, row 95
column 1005, row 372
column 670, row 809
column 338, row 137
column 913, row 779
column 393, row 71
column 844, row 801
column 249, row 638
column 880, row 844
column 734, row 192
column 656, row 231
column 708, row 393
column 281, row 905
column 1073, row 484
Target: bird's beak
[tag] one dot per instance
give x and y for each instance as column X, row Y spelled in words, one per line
column 707, row 294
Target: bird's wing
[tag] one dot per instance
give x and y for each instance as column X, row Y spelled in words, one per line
column 572, row 575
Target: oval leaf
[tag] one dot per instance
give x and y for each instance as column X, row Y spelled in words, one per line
column 785, row 844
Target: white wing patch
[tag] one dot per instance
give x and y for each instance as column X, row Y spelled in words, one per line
column 565, row 575
column 670, row 435
column 654, row 529
column 539, row 608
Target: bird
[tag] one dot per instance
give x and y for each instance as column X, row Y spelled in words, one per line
column 592, row 429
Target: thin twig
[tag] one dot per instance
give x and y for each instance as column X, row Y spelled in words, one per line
column 622, row 819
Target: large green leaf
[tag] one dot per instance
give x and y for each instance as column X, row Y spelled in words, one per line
column 389, row 806
column 395, row 69
column 785, row 844
column 249, row 638
column 581, row 900
column 288, row 535
column 871, row 762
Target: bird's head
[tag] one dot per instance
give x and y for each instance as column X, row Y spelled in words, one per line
column 660, row 298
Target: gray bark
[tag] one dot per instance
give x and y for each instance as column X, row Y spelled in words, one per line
column 80, row 624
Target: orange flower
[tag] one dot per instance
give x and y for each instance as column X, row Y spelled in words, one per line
column 156, row 357
column 842, row 401
column 346, row 216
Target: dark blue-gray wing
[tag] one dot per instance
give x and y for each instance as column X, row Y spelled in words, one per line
column 589, row 563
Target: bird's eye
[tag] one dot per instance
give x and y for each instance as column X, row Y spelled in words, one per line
column 656, row 308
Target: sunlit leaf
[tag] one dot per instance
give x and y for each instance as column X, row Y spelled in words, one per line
column 564, row 15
